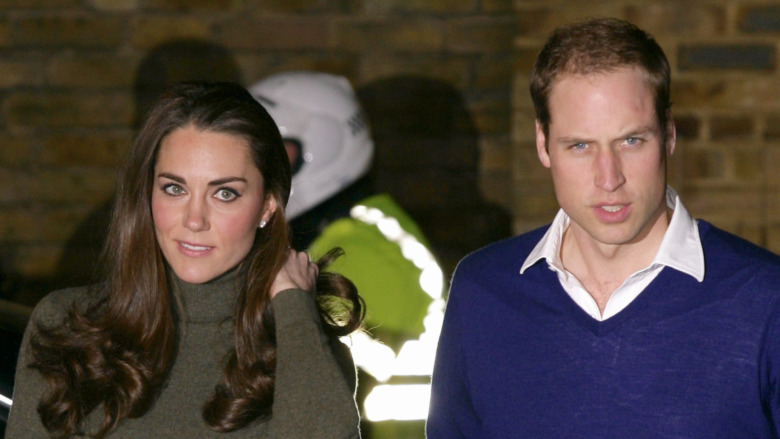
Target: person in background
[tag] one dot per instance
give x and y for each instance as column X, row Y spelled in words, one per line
column 625, row 317
column 205, row 321
column 333, row 203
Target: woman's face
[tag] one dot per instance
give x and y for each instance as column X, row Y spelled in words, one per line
column 207, row 201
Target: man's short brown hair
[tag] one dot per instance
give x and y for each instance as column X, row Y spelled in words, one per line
column 599, row 45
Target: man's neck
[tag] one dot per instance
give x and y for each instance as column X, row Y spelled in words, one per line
column 603, row 268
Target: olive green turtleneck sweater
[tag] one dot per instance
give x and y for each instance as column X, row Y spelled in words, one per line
column 312, row 397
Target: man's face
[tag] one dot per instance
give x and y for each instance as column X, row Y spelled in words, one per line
column 604, row 149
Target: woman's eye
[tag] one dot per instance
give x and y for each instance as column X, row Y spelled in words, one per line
column 173, row 189
column 226, row 194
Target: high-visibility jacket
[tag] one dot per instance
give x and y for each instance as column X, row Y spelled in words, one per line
column 388, row 259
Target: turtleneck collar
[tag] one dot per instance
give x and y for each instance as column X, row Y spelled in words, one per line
column 209, row 302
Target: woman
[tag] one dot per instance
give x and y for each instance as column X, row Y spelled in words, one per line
column 205, row 320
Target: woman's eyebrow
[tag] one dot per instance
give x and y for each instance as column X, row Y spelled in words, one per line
column 225, row 180
column 217, row 182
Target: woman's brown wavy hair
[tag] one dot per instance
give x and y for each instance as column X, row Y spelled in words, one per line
column 117, row 353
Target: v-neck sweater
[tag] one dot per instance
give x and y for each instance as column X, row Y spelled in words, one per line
column 518, row 358
column 312, row 397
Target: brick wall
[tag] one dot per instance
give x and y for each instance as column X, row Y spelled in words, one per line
column 76, row 74
column 724, row 57
column 445, row 82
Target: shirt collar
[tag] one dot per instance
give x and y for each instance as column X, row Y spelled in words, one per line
column 680, row 248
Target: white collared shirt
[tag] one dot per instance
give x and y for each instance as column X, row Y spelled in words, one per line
column 680, row 249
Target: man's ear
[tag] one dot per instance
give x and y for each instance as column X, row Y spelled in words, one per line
column 671, row 133
column 541, row 145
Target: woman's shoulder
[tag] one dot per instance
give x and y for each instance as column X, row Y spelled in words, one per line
column 53, row 307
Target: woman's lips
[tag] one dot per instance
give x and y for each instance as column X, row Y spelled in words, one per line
column 194, row 250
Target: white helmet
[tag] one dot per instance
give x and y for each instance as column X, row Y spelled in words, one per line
column 321, row 114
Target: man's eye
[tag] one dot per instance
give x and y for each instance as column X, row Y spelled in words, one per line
column 226, row 194
column 579, row 145
column 632, row 141
column 173, row 189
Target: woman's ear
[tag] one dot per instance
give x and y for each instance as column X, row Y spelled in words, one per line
column 269, row 209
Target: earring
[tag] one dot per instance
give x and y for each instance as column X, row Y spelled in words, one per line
column 262, row 224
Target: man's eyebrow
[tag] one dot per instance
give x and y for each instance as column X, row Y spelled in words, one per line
column 639, row 131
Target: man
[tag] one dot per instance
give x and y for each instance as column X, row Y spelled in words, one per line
column 625, row 318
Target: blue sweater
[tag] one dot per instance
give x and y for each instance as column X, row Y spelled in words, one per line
column 518, row 358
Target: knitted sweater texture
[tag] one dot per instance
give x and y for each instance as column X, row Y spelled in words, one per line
column 312, row 397
column 518, row 358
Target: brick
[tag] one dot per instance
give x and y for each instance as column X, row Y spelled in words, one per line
column 727, row 57
column 520, row 95
column 773, row 206
column 535, row 200
column 452, row 70
column 430, row 188
column 537, row 20
column 759, row 18
column 180, row 60
column 85, row 149
column 773, row 237
column 524, row 59
column 686, row 19
column 708, row 202
column 498, row 6
column 31, row 109
column 525, row 162
column 402, row 7
column 749, row 164
column 84, row 185
column 475, row 34
column 6, row 35
column 731, row 127
column 772, row 128
column 496, row 154
column 391, row 35
column 289, row 7
column 115, row 5
column 688, row 126
column 19, row 73
column 37, row 261
column 745, row 92
column 51, row 225
column 491, row 116
column 90, row 70
column 703, row 163
column 495, row 74
column 17, row 150
column 38, row 4
column 69, row 30
column 496, row 188
column 149, row 31
column 773, row 177
column 295, row 33
column 190, row 5
column 15, row 184
column 260, row 66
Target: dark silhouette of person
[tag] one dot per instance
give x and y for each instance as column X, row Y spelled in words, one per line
column 427, row 158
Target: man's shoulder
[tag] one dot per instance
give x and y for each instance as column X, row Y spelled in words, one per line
column 720, row 245
column 509, row 253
